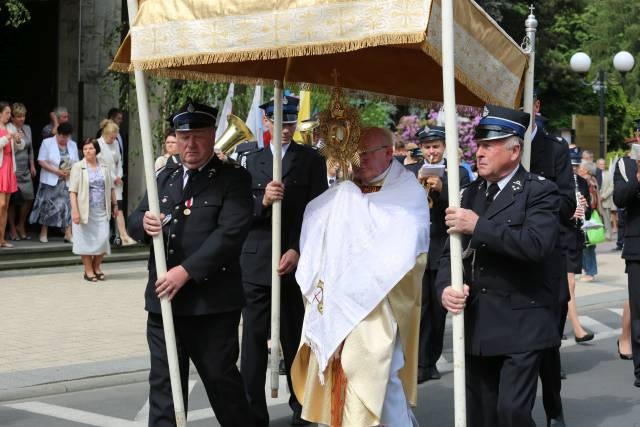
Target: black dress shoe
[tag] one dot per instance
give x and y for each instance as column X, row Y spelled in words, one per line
column 622, row 355
column 587, row 337
column 296, row 419
column 422, row 375
column 556, row 422
column 434, row 374
column 637, row 382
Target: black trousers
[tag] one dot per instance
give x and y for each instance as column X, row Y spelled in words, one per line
column 256, row 322
column 432, row 322
column 501, row 390
column 211, row 342
column 550, row 377
column 633, row 277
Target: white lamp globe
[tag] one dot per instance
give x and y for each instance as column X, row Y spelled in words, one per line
column 580, row 62
column 623, row 61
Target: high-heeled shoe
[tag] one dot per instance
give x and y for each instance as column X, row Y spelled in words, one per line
column 586, row 337
column 88, row 278
column 622, row 355
column 128, row 241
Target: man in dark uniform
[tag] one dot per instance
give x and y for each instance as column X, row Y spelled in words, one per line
column 432, row 315
column 626, row 194
column 550, row 159
column 205, row 216
column 509, row 223
column 304, row 176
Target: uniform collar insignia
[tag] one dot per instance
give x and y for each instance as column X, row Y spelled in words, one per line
column 516, row 185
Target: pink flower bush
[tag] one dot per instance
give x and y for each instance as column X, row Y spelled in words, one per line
column 407, row 128
column 470, row 117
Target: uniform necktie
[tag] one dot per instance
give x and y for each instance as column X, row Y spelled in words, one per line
column 490, row 194
column 191, row 175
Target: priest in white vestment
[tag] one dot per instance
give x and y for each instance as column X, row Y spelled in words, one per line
column 363, row 253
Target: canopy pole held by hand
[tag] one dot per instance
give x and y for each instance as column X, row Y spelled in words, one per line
column 531, row 24
column 158, row 245
column 453, row 180
column 276, row 251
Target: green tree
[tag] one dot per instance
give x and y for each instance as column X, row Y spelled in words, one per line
column 599, row 27
column 15, row 11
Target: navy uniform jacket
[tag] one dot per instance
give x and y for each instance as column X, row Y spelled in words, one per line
column 550, row 159
column 437, row 227
column 626, row 194
column 510, row 308
column 207, row 242
column 304, row 174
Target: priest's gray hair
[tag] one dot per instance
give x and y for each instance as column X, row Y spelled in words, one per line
column 385, row 135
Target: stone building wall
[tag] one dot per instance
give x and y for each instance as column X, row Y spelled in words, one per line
column 97, row 23
column 86, row 34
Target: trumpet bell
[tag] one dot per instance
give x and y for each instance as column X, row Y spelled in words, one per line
column 236, row 133
column 306, row 130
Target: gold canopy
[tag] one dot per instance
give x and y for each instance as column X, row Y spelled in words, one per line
column 385, row 47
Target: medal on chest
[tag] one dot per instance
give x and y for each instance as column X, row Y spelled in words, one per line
column 187, row 207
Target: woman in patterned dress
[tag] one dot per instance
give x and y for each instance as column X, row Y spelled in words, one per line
column 52, row 207
column 93, row 201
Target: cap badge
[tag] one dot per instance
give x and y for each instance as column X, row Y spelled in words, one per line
column 191, row 108
column 485, row 111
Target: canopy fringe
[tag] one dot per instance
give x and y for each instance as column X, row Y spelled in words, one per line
column 279, row 53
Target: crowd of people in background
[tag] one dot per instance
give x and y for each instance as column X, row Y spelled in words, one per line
column 75, row 191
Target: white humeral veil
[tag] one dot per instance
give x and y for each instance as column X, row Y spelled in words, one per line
column 358, row 246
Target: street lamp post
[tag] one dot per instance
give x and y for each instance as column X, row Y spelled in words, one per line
column 623, row 62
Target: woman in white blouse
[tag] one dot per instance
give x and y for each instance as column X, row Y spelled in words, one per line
column 110, row 155
column 52, row 207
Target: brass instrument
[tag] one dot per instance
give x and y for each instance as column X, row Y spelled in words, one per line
column 236, row 132
column 306, row 130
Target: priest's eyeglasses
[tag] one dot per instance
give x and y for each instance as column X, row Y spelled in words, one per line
column 371, row 151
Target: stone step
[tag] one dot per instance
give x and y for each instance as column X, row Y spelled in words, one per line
column 46, row 250
column 57, row 260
